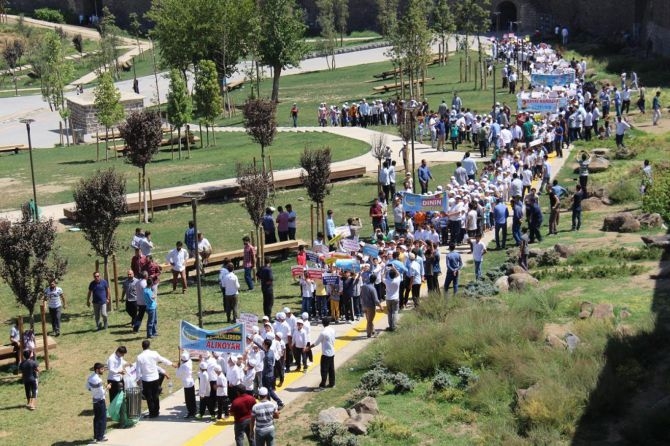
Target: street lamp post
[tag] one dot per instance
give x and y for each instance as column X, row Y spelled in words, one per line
column 195, row 196
column 27, row 122
column 411, row 110
column 493, row 64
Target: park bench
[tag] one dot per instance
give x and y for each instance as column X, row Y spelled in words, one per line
column 340, row 174
column 234, row 85
column 386, row 87
column 12, row 148
column 236, row 256
column 7, row 351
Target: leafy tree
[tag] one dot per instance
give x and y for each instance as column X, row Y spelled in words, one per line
column 473, row 18
column 254, row 186
column 100, row 202
column 110, row 40
column 316, row 177
column 412, row 44
column 444, row 25
column 143, row 133
column 341, row 18
column 135, row 29
column 657, row 192
column 29, row 258
column 179, row 107
column 207, row 95
column 260, row 120
column 326, row 19
column 280, row 42
column 109, row 109
column 78, row 43
column 12, row 54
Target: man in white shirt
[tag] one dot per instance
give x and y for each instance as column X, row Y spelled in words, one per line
column 115, row 371
column 230, row 288
column 478, row 251
column 204, row 250
column 98, row 390
column 327, row 340
column 177, row 259
column 55, row 298
column 392, row 282
column 147, row 372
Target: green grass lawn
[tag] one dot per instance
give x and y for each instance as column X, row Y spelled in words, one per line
column 58, row 169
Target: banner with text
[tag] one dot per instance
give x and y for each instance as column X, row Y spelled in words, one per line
column 550, row 80
column 416, row 202
column 228, row 339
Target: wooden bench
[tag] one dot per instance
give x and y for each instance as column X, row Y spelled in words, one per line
column 386, row 87
column 335, row 175
column 236, row 256
column 7, row 351
column 12, row 148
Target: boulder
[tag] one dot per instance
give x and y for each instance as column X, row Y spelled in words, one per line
column 515, row 269
column 658, row 241
column 584, row 314
column 603, row 311
column 535, row 252
column 592, row 204
column 652, row 220
column 624, row 330
column 559, row 330
column 359, row 425
column 333, row 415
column 601, row 152
column 367, row 405
column 502, row 283
column 585, row 310
column 554, row 341
column 521, row 281
column 625, row 154
column 564, row 250
column 599, row 192
column 573, row 341
column 621, row 222
column 598, row 164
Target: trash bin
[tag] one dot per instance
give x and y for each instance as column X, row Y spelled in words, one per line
column 78, row 136
column 133, row 404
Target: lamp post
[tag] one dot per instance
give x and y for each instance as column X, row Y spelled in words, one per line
column 195, row 196
column 493, row 64
column 27, row 122
column 411, row 109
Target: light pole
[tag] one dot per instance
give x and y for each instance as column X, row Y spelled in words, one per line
column 27, row 122
column 411, row 110
column 493, row 64
column 195, row 196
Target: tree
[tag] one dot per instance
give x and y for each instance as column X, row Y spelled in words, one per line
column 316, row 177
column 100, row 202
column 326, row 19
column 254, row 186
column 280, row 43
column 260, row 120
column 341, row 18
column 29, row 258
column 57, row 73
column 178, row 105
column 109, row 109
column 135, row 30
column 143, row 133
column 378, row 142
column 207, row 95
column 444, row 25
column 78, row 43
column 12, row 54
column 473, row 18
column 109, row 42
column 413, row 43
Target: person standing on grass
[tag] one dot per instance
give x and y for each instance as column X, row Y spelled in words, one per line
column 56, row 300
column 424, row 176
column 263, row 414
column 656, row 107
column 294, row 114
column 577, row 208
column 282, row 223
column 129, row 294
column 292, row 222
column 500, row 216
column 189, row 239
column 29, row 374
column 152, row 308
column 177, row 259
column 98, row 293
column 327, row 341
column 370, row 300
column 230, row 287
column 454, row 266
column 554, row 212
column 147, row 372
column 621, row 126
column 140, row 285
column 535, row 220
column 116, row 369
column 138, row 261
column 249, row 261
column 266, row 279
column 478, row 251
column 98, row 389
column 584, row 171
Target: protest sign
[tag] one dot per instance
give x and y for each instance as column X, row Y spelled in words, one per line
column 320, row 249
column 228, row 339
column 312, row 256
column 350, row 245
column 550, row 80
column 249, row 320
column 297, row 270
column 315, row 274
column 416, row 202
column 348, row 265
column 370, row 250
column 330, row 279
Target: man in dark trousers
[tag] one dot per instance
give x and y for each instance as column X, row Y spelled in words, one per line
column 265, row 277
column 241, row 410
column 327, row 340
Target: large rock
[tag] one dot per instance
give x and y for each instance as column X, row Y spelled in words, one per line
column 333, row 415
column 515, row 269
column 592, row 204
column 603, row 311
column 502, row 283
column 621, row 222
column 585, row 310
column 602, row 152
column 558, row 330
column 554, row 341
column 658, row 241
column 564, row 250
column 535, row 252
column 652, row 220
column 359, row 425
column 367, row 405
column 598, row 164
column 521, row 281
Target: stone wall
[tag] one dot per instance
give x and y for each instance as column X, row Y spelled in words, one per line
column 83, row 111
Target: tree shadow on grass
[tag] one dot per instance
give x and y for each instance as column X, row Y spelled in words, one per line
column 631, row 402
column 71, row 443
column 77, row 162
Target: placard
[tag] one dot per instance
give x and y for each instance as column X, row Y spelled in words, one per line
column 330, row 279
column 350, row 245
column 297, row 271
column 416, row 202
column 315, row 274
column 249, row 320
column 370, row 250
column 229, row 339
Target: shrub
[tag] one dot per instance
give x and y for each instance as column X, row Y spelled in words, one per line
column 450, row 395
column 49, row 15
column 401, row 383
column 332, row 434
column 460, row 415
column 381, row 425
column 657, row 196
column 548, row 258
column 624, row 191
column 467, row 376
column 443, row 380
column 374, row 380
column 481, row 288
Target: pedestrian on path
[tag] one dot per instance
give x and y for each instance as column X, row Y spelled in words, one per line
column 478, row 251
column 147, row 373
column 392, row 283
column 98, row 293
column 656, row 107
column 185, row 373
column 370, row 300
column 241, row 408
column 327, row 341
column 263, row 415
column 98, row 389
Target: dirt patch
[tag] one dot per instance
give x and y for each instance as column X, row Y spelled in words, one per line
column 53, row 188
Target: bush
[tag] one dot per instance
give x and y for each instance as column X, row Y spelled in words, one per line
column 401, row 383
column 49, row 15
column 332, row 434
column 548, row 258
column 443, row 380
column 480, row 288
column 624, row 192
column 657, row 196
column 383, row 426
column 467, row 376
column 460, row 415
column 375, row 379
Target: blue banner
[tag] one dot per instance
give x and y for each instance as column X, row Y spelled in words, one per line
column 229, row 339
column 550, row 80
column 331, row 279
column 348, row 265
column 416, row 202
column 370, row 250
column 312, row 256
